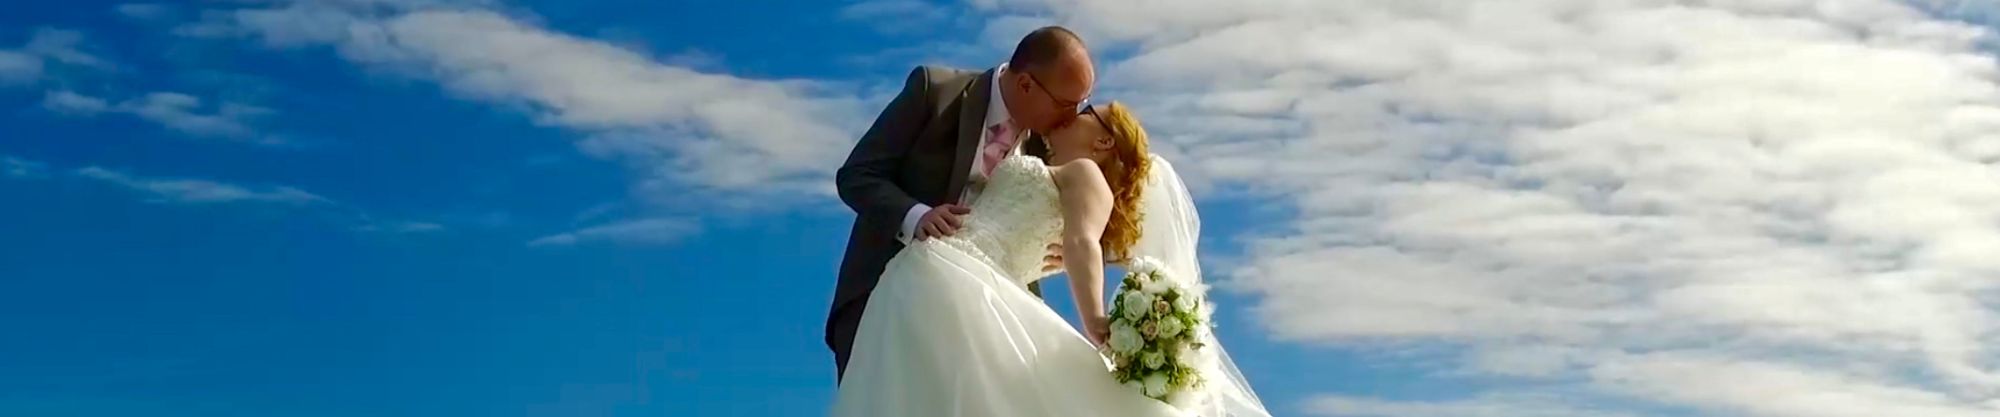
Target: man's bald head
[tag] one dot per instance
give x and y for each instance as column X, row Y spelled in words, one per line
column 1049, row 75
column 1044, row 48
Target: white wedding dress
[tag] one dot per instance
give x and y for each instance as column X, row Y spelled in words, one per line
column 951, row 330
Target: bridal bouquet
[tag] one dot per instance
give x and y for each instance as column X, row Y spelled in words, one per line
column 1158, row 324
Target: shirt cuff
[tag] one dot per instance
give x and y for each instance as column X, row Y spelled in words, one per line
column 910, row 222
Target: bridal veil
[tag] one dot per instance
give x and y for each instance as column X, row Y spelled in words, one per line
column 1170, row 230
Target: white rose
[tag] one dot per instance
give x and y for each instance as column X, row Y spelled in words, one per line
column 1170, row 327
column 1155, row 287
column 1187, row 302
column 1136, row 304
column 1124, row 338
column 1153, row 360
column 1136, row 386
column 1156, row 384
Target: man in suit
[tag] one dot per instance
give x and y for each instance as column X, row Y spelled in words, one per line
column 928, row 153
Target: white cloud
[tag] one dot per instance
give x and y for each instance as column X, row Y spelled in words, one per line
column 186, row 114
column 63, row 46
column 679, row 127
column 174, row 111
column 1798, row 193
column 196, row 191
column 202, row 192
column 69, row 102
column 1753, row 388
column 19, row 68
column 643, row 231
column 144, row 11
column 1510, row 405
column 178, row 112
column 418, row 227
column 403, row 227
column 694, row 59
column 21, row 168
column 46, row 50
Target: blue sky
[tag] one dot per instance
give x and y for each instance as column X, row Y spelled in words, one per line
column 1544, row 208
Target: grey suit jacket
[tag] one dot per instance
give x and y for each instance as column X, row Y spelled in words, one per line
column 920, row 149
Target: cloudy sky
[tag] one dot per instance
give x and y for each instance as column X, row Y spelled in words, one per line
column 1429, row 208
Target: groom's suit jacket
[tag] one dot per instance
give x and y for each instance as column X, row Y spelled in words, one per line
column 920, row 149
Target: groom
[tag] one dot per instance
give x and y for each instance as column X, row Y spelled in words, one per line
column 926, row 157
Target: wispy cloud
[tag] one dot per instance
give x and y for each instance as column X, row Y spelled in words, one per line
column 19, row 68
column 197, row 191
column 64, row 46
column 144, row 11
column 403, row 227
column 643, row 231
column 186, row 114
column 1712, row 217
column 21, row 168
column 68, row 102
column 1551, row 404
column 46, row 47
column 51, row 48
column 205, row 192
column 679, row 126
column 176, row 111
column 1767, row 389
column 179, row 112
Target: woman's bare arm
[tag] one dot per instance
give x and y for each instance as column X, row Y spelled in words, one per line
column 1086, row 208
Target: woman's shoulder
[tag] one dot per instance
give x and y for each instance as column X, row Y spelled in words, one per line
column 1081, row 172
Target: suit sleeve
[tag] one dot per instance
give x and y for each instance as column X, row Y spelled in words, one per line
column 866, row 181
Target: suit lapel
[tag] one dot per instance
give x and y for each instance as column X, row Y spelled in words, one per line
column 971, row 123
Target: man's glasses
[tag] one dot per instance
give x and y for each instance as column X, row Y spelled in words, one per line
column 1079, row 105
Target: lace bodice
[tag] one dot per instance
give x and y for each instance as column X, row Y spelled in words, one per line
column 1015, row 219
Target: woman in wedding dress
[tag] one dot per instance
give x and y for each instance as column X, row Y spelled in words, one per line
column 951, row 329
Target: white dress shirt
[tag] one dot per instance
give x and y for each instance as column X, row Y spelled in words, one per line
column 996, row 113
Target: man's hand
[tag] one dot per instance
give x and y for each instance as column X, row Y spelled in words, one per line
column 1052, row 262
column 1097, row 327
column 942, row 221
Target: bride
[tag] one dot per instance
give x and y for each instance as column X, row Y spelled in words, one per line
column 951, row 329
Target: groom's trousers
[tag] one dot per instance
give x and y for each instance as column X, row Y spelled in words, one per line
column 840, row 334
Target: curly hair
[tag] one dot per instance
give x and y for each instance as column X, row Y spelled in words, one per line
column 1131, row 163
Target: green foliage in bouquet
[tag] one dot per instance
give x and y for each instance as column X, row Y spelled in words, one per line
column 1157, row 327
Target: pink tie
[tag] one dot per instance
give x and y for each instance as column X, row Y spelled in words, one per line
column 1002, row 141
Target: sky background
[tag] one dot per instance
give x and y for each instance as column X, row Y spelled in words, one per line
column 1535, row 208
